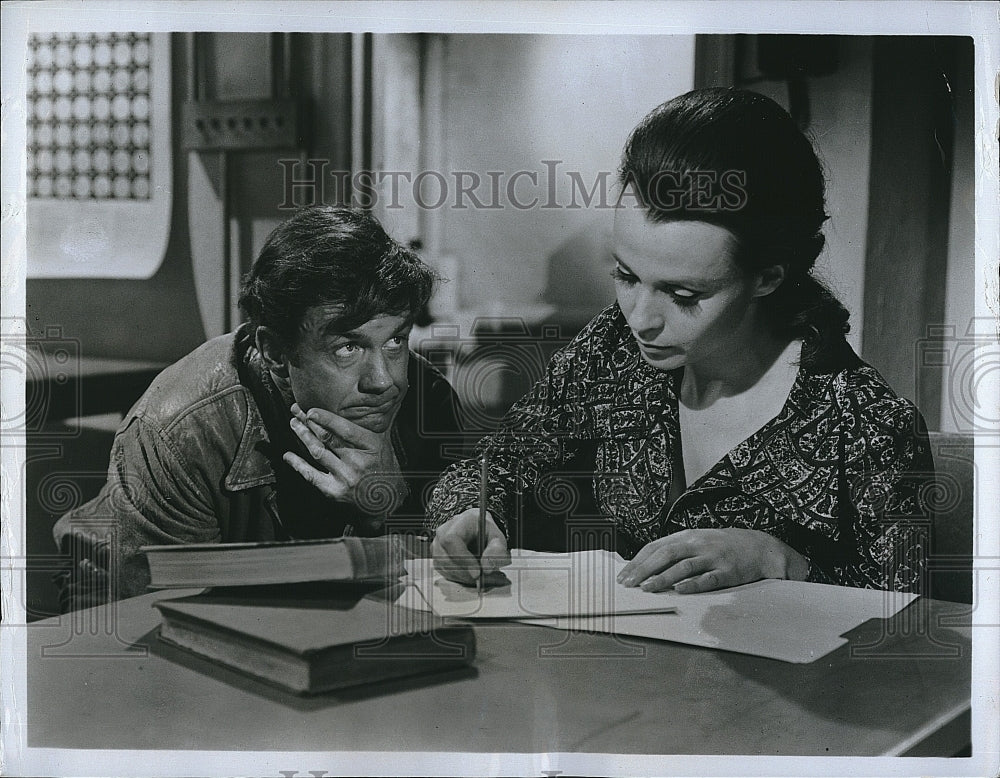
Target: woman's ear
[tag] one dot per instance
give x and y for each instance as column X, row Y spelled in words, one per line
column 272, row 351
column 769, row 279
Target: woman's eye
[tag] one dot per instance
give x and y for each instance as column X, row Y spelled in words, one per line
column 620, row 275
column 684, row 297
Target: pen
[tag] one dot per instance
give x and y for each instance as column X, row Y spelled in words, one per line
column 482, row 522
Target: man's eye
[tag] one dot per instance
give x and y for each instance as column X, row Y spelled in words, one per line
column 347, row 350
column 397, row 343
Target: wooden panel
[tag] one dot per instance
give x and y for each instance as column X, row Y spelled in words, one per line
column 907, row 251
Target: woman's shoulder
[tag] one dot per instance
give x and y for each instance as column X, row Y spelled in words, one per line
column 604, row 347
column 608, row 329
column 875, row 408
column 607, row 333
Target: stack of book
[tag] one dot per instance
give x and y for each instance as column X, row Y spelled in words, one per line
column 307, row 616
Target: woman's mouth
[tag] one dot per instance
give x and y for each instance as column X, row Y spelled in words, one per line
column 656, row 351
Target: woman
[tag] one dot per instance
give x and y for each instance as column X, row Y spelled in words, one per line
column 732, row 433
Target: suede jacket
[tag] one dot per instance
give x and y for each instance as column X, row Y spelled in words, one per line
column 198, row 459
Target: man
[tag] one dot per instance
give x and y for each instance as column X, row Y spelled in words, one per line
column 311, row 420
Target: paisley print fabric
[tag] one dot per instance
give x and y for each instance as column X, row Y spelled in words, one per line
column 838, row 474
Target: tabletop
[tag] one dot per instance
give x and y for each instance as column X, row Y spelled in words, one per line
column 61, row 383
column 102, row 679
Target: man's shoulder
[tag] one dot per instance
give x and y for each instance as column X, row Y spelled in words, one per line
column 198, row 381
column 431, row 405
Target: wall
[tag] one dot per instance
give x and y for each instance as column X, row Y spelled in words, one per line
column 244, row 192
column 896, row 245
column 840, row 128
column 960, row 283
column 912, row 249
column 509, row 104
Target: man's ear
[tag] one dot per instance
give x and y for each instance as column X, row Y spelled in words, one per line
column 273, row 351
column 769, row 279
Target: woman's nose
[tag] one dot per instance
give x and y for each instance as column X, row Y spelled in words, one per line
column 646, row 317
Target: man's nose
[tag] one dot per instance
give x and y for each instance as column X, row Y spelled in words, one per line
column 376, row 377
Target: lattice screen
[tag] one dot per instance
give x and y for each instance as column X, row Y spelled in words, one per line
column 89, row 116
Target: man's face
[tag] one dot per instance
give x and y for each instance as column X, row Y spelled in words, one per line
column 359, row 374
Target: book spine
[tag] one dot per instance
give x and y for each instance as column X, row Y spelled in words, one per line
column 444, row 648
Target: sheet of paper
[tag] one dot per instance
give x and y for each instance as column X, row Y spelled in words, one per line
column 792, row 621
column 535, row 584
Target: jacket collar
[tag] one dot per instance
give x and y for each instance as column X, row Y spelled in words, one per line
column 252, row 465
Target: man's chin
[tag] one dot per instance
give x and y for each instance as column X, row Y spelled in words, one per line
column 375, row 425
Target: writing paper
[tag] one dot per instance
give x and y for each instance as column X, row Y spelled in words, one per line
column 535, row 584
column 793, row 621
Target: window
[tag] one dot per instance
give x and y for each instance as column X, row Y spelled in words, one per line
column 98, row 154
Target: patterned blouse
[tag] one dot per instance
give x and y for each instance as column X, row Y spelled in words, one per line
column 838, row 474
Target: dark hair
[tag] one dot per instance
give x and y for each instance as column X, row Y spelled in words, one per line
column 737, row 159
column 332, row 256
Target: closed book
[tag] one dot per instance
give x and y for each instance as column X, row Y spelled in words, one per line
column 295, row 561
column 314, row 645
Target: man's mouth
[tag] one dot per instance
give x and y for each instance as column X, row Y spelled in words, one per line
column 374, row 409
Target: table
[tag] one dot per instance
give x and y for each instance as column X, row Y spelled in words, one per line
column 60, row 383
column 101, row 679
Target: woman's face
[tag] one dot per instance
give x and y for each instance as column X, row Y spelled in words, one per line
column 681, row 291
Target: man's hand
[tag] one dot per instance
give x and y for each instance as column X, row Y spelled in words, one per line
column 699, row 560
column 359, row 466
column 455, row 548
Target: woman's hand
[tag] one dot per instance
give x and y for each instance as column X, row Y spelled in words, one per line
column 699, row 560
column 455, row 548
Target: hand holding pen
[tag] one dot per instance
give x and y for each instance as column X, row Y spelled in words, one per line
column 470, row 546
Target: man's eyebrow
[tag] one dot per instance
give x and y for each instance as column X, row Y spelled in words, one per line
column 329, row 330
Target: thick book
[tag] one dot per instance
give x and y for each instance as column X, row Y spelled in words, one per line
column 318, row 644
column 280, row 562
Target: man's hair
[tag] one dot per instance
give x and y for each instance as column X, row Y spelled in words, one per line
column 332, row 256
